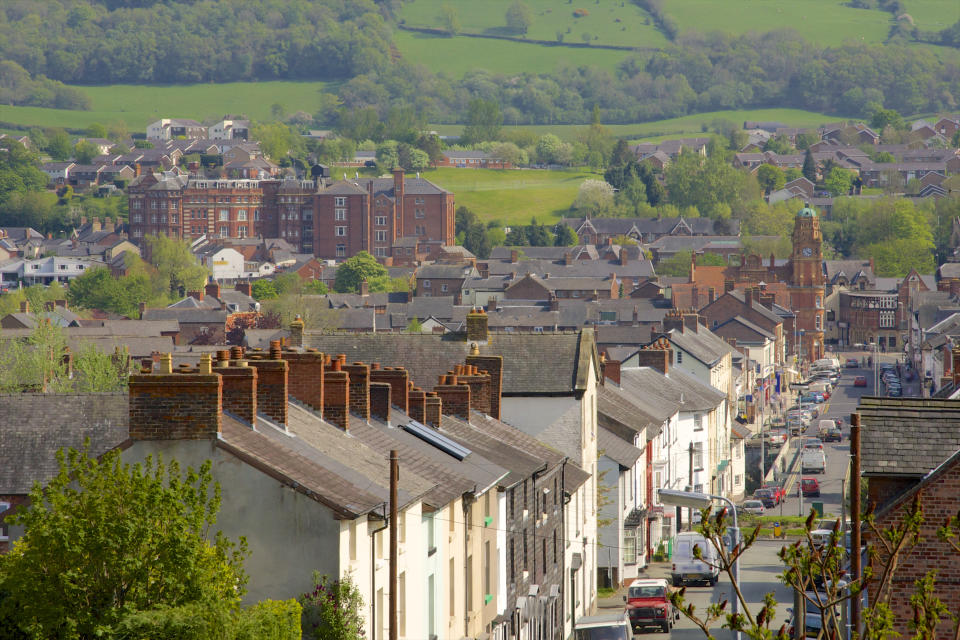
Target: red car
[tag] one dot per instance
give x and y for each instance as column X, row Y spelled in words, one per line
column 860, row 381
column 810, row 487
column 779, row 495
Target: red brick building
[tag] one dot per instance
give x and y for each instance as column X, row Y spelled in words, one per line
column 337, row 221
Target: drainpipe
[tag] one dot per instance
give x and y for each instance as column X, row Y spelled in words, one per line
column 373, row 570
column 466, row 501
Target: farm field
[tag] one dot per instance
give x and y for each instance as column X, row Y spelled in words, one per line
column 456, row 56
column 932, row 15
column 139, row 105
column 613, row 22
column 511, row 196
column 828, row 22
column 686, row 125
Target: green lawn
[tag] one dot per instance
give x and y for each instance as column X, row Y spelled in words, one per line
column 455, row 56
column 512, row 196
column 828, row 22
column 139, row 105
column 616, row 22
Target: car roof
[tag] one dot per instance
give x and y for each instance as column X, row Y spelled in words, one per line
column 648, row 582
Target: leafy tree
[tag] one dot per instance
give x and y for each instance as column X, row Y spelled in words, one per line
column 430, row 143
column 484, row 120
column 778, row 144
column 711, row 185
column 95, row 371
column 278, row 141
column 97, row 130
column 770, row 177
column 264, row 290
column 355, row 270
column 508, row 152
column 565, row 236
column 537, row 234
column 517, row 237
column 838, row 181
column 87, row 559
column 804, row 140
column 632, row 200
column 315, row 287
column 884, row 156
column 548, row 148
column 449, row 19
column 412, row 158
column 98, row 289
column 84, row 152
column 594, row 197
column 38, row 209
column 414, row 326
column 679, row 263
column 333, row 610
column 519, row 17
column 58, row 145
column 176, row 265
column 809, row 167
column 883, row 118
column 387, row 156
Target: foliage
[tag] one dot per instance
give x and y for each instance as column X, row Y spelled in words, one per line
column 278, row 141
column 471, row 233
column 18, row 87
column 95, row 371
column 264, row 290
column 84, row 152
column 519, row 17
column 177, row 266
column 484, row 120
column 838, row 181
column 98, row 289
column 414, row 326
column 449, row 19
column 41, row 210
column 679, row 263
column 87, row 559
column 594, row 198
column 355, row 270
column 770, row 177
column 333, row 610
column 809, row 167
column 565, row 236
column 710, row 185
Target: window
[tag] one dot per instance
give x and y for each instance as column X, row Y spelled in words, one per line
column 381, row 221
column 242, row 231
column 737, row 480
column 679, row 357
column 418, row 200
column 431, row 607
column 340, row 214
column 307, row 214
column 380, row 252
column 698, row 456
column 341, row 250
column 426, row 285
column 174, row 218
column 698, row 422
column 402, row 528
column 554, row 546
column 241, row 214
column 443, row 287
column 381, row 236
column 223, row 232
column 256, row 214
column 341, row 231
column 419, row 213
column 340, row 201
column 453, row 586
column 138, row 217
column 511, row 567
column 818, row 322
column 163, row 218
column 153, row 218
column 819, row 302
column 353, row 540
column 629, row 546
column 698, row 488
column 431, row 534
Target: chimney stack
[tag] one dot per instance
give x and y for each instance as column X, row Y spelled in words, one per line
column 380, row 394
column 728, row 285
column 305, row 376
column 477, row 326
column 272, row 383
column 186, row 405
column 454, row 396
column 336, row 395
column 711, row 294
column 364, row 288
column 398, row 380
column 417, row 404
column 514, row 256
column 359, row 388
column 493, row 367
column 433, row 411
column 624, row 256
column 245, row 288
column 479, row 383
column 296, row 332
column 673, row 321
column 24, row 306
column 691, row 321
column 197, row 295
column 239, row 384
column 213, row 288
column 611, row 371
column 656, row 355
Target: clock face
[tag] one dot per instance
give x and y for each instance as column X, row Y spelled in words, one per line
column 807, row 252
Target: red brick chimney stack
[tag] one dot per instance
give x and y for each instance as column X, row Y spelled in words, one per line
column 306, row 376
column 493, row 365
column 272, row 383
column 433, row 410
column 454, row 396
column 656, row 355
column 175, row 406
column 417, row 405
column 398, row 380
column 380, row 394
column 359, row 387
column 611, row 370
column 213, row 288
column 239, row 384
column 336, row 395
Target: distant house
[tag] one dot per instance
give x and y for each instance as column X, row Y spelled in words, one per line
column 472, row 159
column 170, row 128
column 57, row 172
column 230, row 129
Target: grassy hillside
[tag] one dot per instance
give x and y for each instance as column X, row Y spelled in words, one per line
column 616, row 22
column 139, row 105
column 511, row 196
column 932, row 15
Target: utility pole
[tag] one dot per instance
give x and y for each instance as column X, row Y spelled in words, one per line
column 394, row 481
column 855, row 512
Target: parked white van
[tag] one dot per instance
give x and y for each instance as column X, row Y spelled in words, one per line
column 813, row 460
column 687, row 568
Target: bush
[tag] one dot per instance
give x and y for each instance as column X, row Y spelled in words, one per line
column 267, row 620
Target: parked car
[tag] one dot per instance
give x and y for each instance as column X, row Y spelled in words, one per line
column 648, row 605
column 778, row 492
column 813, row 443
column 754, row 507
column 810, row 487
column 852, row 363
column 776, row 438
column 766, row 497
column 860, row 381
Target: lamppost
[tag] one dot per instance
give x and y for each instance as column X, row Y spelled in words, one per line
column 696, row 500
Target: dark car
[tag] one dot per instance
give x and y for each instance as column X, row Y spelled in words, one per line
column 765, row 496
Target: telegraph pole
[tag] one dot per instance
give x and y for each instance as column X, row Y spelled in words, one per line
column 394, row 481
column 855, row 511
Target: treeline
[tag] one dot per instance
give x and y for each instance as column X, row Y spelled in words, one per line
column 18, row 88
column 142, row 41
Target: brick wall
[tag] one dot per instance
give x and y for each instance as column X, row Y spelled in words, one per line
column 479, row 383
column 493, row 365
column 306, row 376
column 454, row 396
column 477, row 326
column 417, row 405
column 239, row 385
column 433, row 410
column 940, row 500
column 380, row 401
column 336, row 395
column 359, row 388
column 272, row 383
column 397, row 378
column 658, row 355
column 175, row 406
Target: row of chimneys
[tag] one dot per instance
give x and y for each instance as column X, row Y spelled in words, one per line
column 188, row 403
column 95, row 223
column 47, row 306
column 212, row 289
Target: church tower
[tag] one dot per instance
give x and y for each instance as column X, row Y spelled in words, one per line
column 807, row 281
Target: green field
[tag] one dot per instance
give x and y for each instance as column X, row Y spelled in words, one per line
column 932, row 15
column 139, row 105
column 823, row 21
column 615, row 22
column 683, row 126
column 455, row 56
column 512, row 196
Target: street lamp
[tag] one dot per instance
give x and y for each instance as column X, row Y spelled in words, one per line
column 695, row 500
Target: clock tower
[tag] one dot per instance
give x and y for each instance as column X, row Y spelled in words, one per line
column 807, row 283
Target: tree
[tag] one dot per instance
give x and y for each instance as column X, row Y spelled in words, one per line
column 85, row 151
column 594, row 197
column 838, row 181
column 264, row 290
column 548, row 148
column 770, row 177
column 565, row 236
column 278, row 141
column 97, row 130
column 387, row 155
column 315, row 288
column 332, row 611
column 519, row 17
column 883, row 118
column 355, row 270
column 176, row 265
column 449, row 19
column 809, row 167
column 509, row 153
column 778, row 144
column 414, row 326
column 711, row 185
column 106, row 539
column 484, row 120
column 58, row 145
column 537, row 234
column 804, row 140
column 95, row 371
column 517, row 237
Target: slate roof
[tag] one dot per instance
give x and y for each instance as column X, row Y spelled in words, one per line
column 187, row 315
column 623, row 335
column 702, row 344
column 761, row 333
column 950, row 270
column 445, row 271
column 636, row 269
column 36, row 425
column 907, row 436
column 548, row 363
column 617, row 449
column 613, row 404
column 671, row 389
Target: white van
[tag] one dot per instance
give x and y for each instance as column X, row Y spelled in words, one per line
column 605, row 626
column 813, row 460
column 686, row 568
